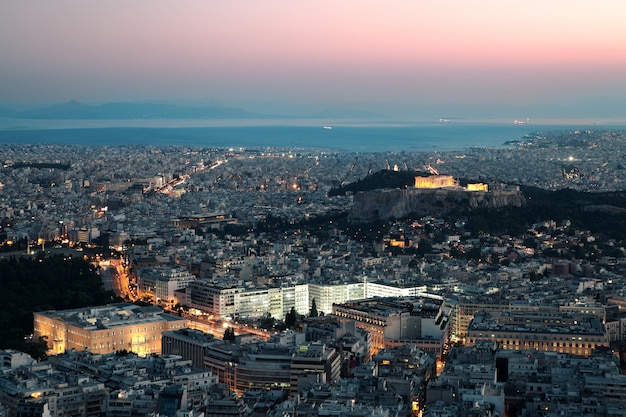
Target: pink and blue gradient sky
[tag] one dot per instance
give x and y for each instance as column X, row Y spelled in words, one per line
column 364, row 54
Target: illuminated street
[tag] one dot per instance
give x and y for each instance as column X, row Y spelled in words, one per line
column 114, row 278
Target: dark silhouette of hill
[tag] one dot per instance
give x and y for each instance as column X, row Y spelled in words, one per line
column 601, row 213
column 379, row 180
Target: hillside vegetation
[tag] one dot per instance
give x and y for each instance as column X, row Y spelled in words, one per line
column 32, row 284
column 599, row 212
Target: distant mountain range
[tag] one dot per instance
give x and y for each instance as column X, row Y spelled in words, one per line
column 124, row 110
column 77, row 110
column 601, row 107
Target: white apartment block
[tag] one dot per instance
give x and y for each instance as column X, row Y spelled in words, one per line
column 243, row 300
column 162, row 282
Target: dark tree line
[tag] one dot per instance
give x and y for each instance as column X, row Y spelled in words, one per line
column 576, row 206
column 31, row 284
column 379, row 180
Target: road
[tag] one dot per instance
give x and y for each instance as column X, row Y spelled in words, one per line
column 114, row 278
column 217, row 327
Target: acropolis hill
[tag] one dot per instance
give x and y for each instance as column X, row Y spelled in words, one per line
column 433, row 194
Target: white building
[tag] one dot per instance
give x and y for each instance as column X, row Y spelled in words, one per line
column 162, row 282
column 241, row 301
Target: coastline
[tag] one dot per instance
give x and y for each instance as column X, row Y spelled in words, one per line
column 345, row 135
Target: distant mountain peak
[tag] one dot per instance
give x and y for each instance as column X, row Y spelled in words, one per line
column 72, row 104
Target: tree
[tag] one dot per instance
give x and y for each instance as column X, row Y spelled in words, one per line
column 313, row 312
column 530, row 242
column 424, row 247
column 229, row 334
column 37, row 349
column 267, row 322
column 290, row 318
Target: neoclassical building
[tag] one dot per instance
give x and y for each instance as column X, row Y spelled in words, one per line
column 435, row 181
column 106, row 329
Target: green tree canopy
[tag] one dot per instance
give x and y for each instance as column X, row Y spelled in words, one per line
column 31, row 284
column 290, row 318
column 314, row 312
column 229, row 334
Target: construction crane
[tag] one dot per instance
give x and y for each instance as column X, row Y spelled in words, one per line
column 430, row 169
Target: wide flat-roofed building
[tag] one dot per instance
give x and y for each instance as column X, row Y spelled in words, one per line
column 106, row 329
column 268, row 367
column 314, row 362
column 271, row 365
column 561, row 332
column 244, row 301
column 228, row 301
column 421, row 321
column 212, row 220
column 188, row 343
column 464, row 312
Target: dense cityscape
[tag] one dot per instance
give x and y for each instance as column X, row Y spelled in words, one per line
column 261, row 282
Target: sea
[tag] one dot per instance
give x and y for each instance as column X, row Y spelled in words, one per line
column 309, row 134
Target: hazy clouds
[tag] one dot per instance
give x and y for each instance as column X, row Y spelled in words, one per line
column 367, row 54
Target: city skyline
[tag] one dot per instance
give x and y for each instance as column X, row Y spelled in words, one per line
column 280, row 56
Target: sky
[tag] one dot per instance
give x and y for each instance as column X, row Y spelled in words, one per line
column 393, row 56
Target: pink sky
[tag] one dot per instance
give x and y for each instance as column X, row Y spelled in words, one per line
column 406, row 52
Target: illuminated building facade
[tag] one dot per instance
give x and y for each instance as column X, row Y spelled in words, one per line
column 239, row 301
column 435, row 181
column 464, row 312
column 243, row 301
column 326, row 295
column 577, row 334
column 443, row 181
column 479, row 186
column 106, row 329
